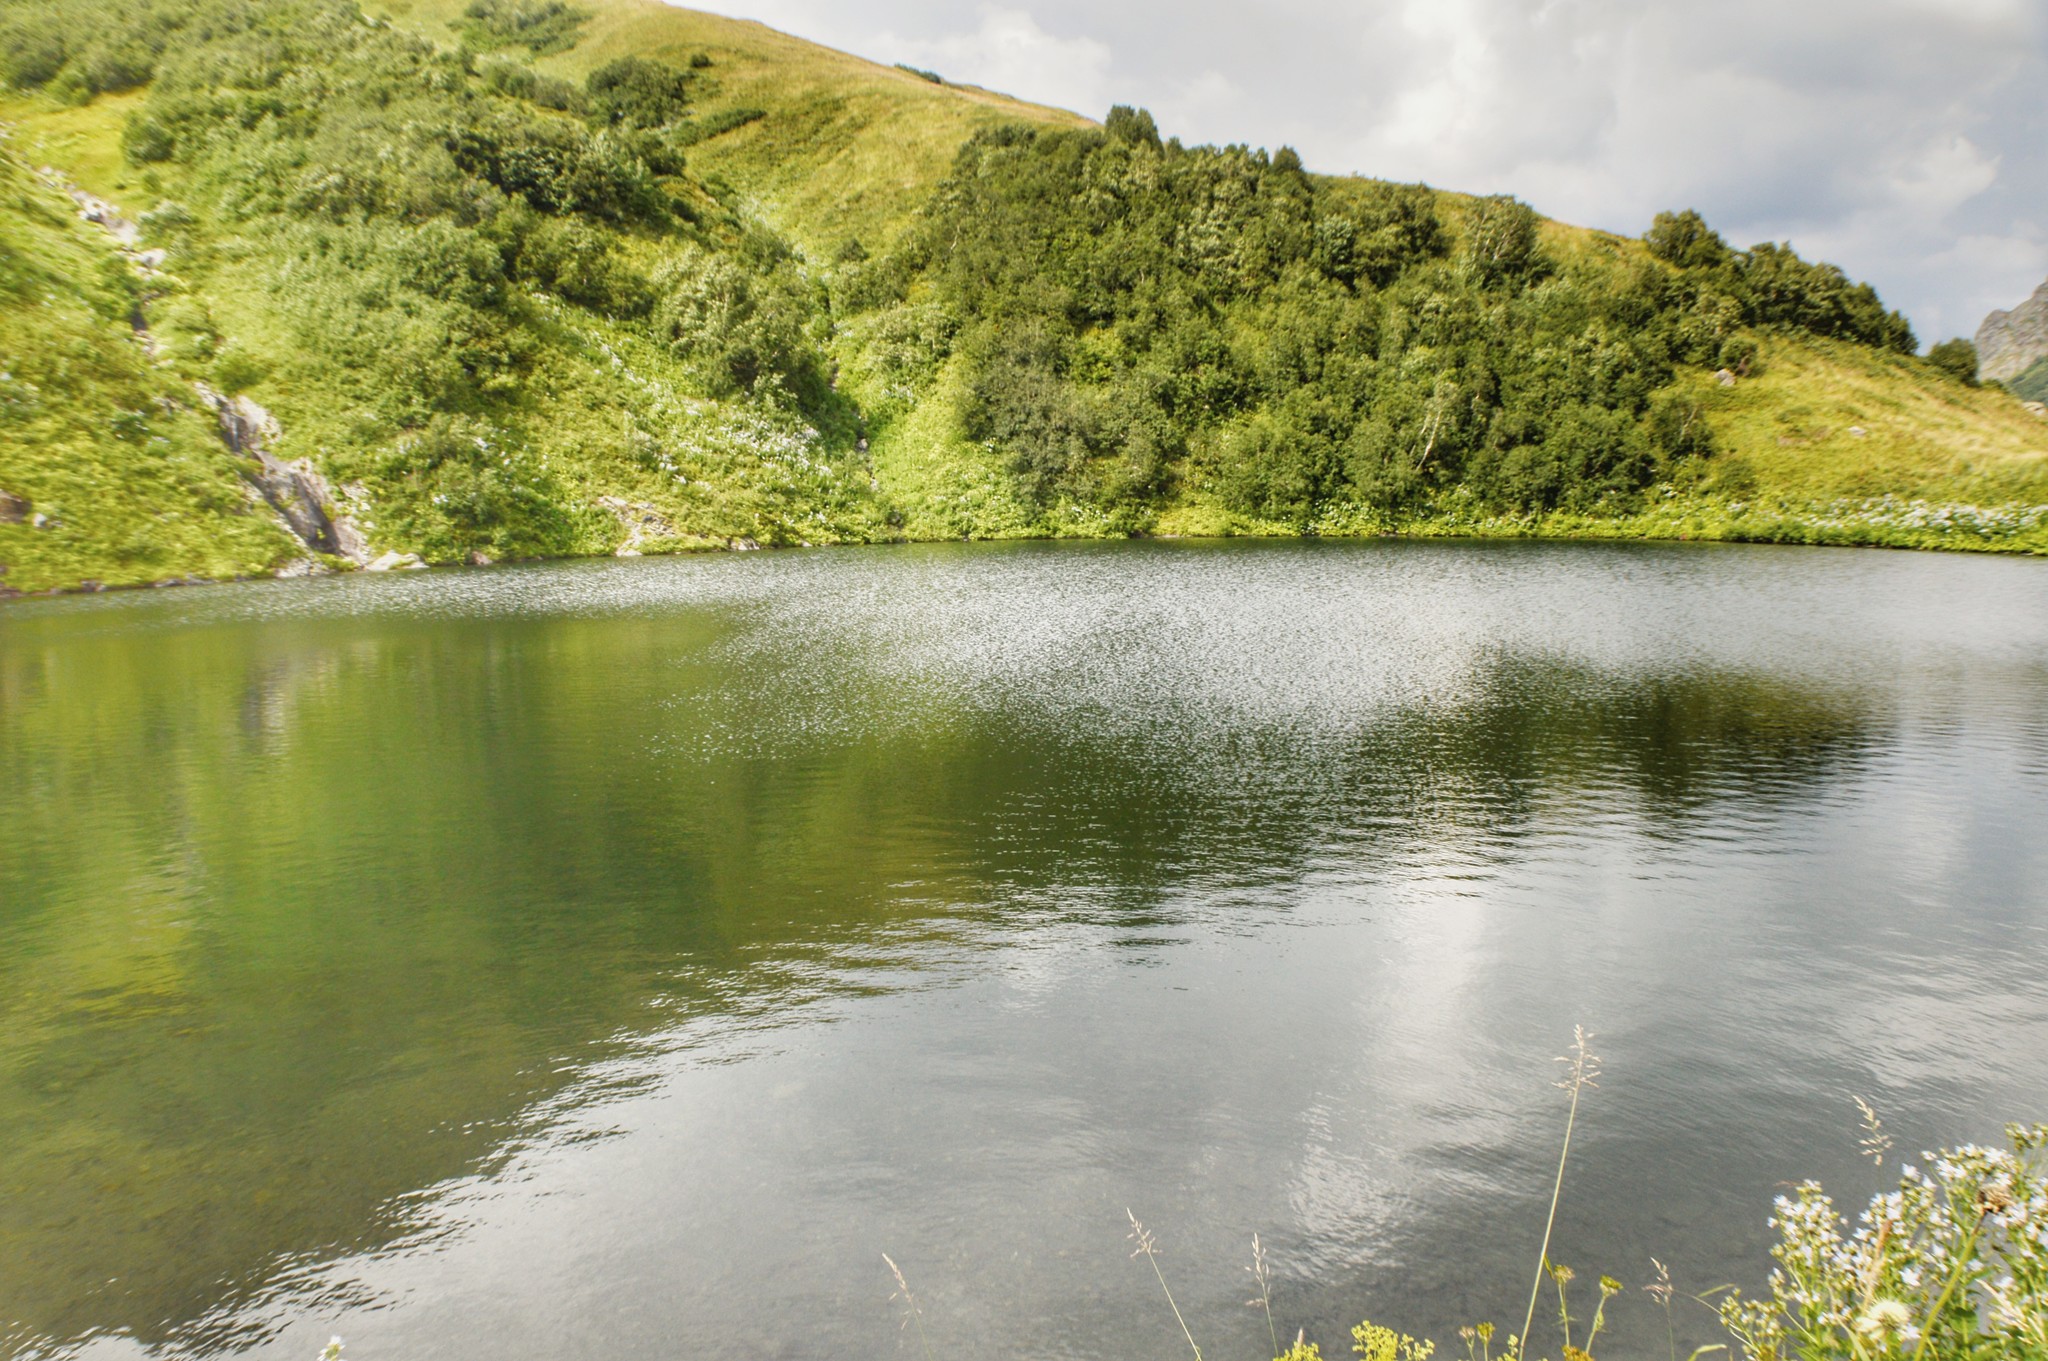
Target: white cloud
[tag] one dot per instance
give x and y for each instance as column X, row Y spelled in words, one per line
column 1010, row 51
column 1904, row 139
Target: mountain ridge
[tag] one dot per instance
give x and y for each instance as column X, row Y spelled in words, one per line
column 2012, row 346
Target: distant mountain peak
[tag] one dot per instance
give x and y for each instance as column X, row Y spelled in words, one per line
column 2010, row 343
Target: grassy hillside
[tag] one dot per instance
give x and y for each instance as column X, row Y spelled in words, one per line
column 525, row 278
column 2033, row 384
column 845, row 149
column 112, row 474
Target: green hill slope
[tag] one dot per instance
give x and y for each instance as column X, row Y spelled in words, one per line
column 842, row 148
column 475, row 279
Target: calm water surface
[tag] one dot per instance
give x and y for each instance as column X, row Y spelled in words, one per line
column 614, row 960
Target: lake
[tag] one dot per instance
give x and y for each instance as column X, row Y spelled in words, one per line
column 615, row 959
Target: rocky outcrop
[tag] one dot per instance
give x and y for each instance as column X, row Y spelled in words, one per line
column 2010, row 343
column 296, row 491
column 98, row 211
column 640, row 521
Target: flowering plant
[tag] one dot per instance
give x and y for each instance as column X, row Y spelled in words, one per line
column 1953, row 1266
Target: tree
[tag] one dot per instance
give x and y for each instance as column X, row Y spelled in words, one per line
column 1684, row 239
column 1501, row 238
column 1126, row 124
column 1957, row 358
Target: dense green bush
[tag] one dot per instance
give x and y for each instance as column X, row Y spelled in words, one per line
column 638, row 92
column 1685, row 240
column 746, row 325
column 517, row 81
column 1957, row 358
column 460, row 489
column 539, row 26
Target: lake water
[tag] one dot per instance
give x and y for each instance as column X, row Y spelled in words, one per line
column 614, row 960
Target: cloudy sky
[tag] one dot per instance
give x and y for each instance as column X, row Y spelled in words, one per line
column 1906, row 140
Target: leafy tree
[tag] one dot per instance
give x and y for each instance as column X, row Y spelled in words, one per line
column 1135, row 316
column 1782, row 289
column 1500, row 238
column 1957, row 358
column 1126, row 124
column 1685, row 240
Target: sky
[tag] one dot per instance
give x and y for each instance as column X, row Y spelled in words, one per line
column 1905, row 140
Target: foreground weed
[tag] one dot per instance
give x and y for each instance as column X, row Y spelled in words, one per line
column 1375, row 1343
column 1953, row 1266
column 1582, row 1072
column 1875, row 1143
column 911, row 1313
column 1149, row 1246
column 1262, row 1272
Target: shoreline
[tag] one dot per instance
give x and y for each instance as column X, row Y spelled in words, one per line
column 1916, row 526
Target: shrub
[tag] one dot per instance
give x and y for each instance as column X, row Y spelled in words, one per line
column 539, row 26
column 746, row 331
column 638, row 92
column 516, row 81
column 575, row 261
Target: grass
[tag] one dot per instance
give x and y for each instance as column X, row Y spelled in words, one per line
column 125, row 480
column 2033, row 384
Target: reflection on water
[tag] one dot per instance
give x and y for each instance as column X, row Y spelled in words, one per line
column 605, row 960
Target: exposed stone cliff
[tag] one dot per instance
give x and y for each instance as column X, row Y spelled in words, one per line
column 2010, row 343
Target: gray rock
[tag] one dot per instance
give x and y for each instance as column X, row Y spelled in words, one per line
column 641, row 522
column 2010, row 343
column 295, row 491
column 104, row 215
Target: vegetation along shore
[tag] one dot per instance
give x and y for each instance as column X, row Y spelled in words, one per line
column 308, row 285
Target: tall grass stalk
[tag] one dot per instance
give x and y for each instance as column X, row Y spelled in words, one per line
column 1150, row 1247
column 1955, row 1276
column 911, row 1313
column 1583, row 1071
column 1263, row 1274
